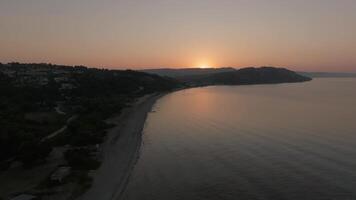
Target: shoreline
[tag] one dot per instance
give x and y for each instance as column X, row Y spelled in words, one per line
column 120, row 150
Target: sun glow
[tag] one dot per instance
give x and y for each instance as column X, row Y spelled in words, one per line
column 204, row 66
column 203, row 63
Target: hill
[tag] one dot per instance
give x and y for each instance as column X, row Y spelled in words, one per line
column 231, row 76
column 177, row 73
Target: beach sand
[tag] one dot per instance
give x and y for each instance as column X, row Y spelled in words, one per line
column 120, row 151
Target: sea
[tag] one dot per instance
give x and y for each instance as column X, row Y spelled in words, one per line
column 294, row 141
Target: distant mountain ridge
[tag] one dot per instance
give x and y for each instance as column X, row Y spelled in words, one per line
column 231, row 76
column 328, row 74
column 174, row 73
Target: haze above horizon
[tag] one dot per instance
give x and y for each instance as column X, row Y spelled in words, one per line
column 317, row 35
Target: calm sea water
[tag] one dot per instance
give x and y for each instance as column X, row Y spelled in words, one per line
column 286, row 141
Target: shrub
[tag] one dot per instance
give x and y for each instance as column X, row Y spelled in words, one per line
column 33, row 152
column 81, row 159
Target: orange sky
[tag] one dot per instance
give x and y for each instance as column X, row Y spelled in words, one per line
column 310, row 35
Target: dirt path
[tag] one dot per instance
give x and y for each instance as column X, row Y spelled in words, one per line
column 61, row 130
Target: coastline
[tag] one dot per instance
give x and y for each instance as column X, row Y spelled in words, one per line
column 120, row 150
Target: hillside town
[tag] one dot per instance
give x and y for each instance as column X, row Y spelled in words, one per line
column 41, row 74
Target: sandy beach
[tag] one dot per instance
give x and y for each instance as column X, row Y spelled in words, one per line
column 120, row 151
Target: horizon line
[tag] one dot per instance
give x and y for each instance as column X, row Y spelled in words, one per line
column 175, row 67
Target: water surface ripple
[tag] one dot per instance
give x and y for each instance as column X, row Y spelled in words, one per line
column 285, row 141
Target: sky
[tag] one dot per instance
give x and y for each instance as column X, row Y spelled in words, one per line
column 304, row 35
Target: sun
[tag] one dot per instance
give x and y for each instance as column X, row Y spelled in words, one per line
column 204, row 66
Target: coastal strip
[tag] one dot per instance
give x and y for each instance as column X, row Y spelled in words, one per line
column 120, row 150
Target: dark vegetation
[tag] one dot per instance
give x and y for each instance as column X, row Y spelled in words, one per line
column 78, row 159
column 29, row 94
column 20, row 133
